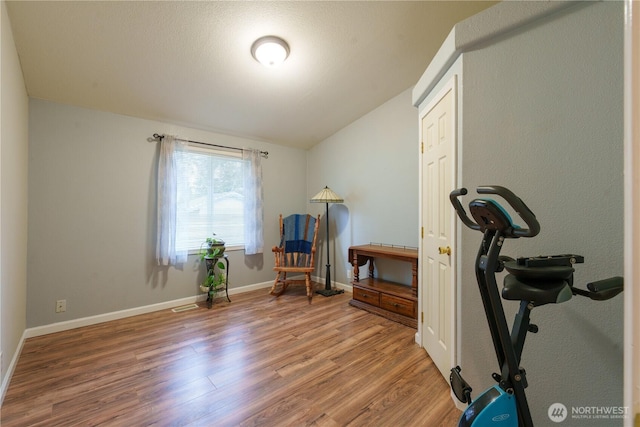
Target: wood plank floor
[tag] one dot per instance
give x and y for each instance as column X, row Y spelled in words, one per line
column 259, row 360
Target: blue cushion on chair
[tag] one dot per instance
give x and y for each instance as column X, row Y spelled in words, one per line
column 297, row 246
column 298, row 234
column 296, row 240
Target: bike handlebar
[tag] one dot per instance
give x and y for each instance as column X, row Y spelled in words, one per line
column 516, row 203
column 606, row 288
column 455, row 201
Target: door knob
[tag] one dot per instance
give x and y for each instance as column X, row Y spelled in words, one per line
column 443, row 251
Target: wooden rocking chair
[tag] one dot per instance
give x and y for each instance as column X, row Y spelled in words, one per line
column 296, row 253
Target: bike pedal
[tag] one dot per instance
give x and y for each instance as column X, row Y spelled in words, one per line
column 460, row 387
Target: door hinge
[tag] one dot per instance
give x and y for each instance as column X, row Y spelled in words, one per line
column 422, row 147
column 422, row 317
column 422, row 232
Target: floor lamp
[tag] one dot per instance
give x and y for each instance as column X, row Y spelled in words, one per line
column 327, row 196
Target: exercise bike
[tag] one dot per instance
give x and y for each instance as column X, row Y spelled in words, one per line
column 534, row 281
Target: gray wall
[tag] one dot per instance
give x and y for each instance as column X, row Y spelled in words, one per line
column 92, row 185
column 373, row 165
column 543, row 115
column 92, row 204
column 13, row 199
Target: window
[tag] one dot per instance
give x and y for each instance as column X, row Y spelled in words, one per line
column 201, row 192
column 210, row 197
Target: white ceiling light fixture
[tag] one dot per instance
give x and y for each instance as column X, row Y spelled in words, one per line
column 270, row 51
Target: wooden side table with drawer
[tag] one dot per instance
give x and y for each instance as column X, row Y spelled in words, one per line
column 395, row 301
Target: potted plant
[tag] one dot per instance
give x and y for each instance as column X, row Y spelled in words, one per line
column 212, row 247
column 213, row 283
column 211, row 251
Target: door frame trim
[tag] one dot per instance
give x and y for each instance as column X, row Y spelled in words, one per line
column 631, row 384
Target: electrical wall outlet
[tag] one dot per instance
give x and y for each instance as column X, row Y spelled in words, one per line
column 61, row 306
column 348, row 273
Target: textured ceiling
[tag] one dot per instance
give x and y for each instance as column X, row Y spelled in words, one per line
column 189, row 63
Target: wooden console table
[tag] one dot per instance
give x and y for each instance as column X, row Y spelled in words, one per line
column 395, row 301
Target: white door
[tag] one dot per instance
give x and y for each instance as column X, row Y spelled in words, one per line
column 437, row 290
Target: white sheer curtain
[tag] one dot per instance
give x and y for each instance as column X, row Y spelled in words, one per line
column 166, row 251
column 253, row 211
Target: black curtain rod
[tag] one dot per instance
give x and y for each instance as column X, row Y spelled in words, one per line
column 157, row 137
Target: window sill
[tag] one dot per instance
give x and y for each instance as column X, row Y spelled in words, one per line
column 227, row 249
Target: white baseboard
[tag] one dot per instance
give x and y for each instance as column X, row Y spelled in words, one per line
column 338, row 285
column 12, row 366
column 101, row 318
column 105, row 317
column 344, row 287
column 121, row 314
column 249, row 288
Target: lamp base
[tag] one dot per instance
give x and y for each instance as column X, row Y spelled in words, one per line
column 330, row 292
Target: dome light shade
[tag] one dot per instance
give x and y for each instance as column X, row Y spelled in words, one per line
column 270, row 51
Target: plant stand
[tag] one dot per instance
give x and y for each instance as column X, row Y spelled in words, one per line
column 210, row 264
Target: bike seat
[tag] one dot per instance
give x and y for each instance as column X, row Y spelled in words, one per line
column 539, row 292
column 539, row 273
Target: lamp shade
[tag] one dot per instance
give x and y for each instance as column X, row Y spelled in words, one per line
column 326, row 195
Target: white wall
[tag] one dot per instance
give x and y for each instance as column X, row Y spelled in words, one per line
column 92, row 186
column 373, row 165
column 13, row 200
column 543, row 116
